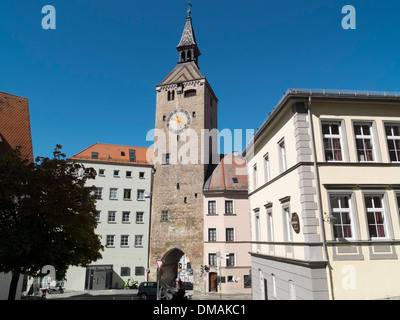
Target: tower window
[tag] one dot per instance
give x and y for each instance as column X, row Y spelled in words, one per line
column 164, row 118
column 171, row 95
column 185, row 200
column 190, row 93
column 194, row 114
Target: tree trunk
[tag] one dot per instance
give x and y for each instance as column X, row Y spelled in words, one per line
column 13, row 286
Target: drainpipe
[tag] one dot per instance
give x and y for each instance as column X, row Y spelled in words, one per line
column 319, row 200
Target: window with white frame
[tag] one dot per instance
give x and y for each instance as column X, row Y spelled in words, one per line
column 230, row 259
column 228, row 206
column 255, row 177
column 270, row 225
column 112, row 216
column 257, row 225
column 98, row 216
column 292, row 290
column 364, row 142
column 139, row 241
column 110, row 240
column 332, row 141
column 374, row 205
column 212, row 234
column 212, row 207
column 139, row 217
column 267, row 174
column 98, row 193
column 124, row 241
column 393, row 140
column 282, row 155
column 126, row 216
column 113, row 194
column 212, row 259
column 341, row 214
column 273, row 284
column 287, row 225
column 229, row 234
column 140, row 195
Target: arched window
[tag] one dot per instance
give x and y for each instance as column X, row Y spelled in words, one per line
column 189, row 55
column 183, row 56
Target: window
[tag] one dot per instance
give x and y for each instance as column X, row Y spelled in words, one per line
column 110, row 241
column 255, row 177
column 102, row 172
column 126, row 216
column 127, row 194
column 166, row 159
column 258, row 226
column 116, row 173
column 229, row 207
column 164, row 216
column 129, row 174
column 112, row 216
column 292, row 290
column 125, row 272
column 364, row 142
column 287, row 225
column 212, row 259
column 230, row 259
column 139, row 217
column 132, row 155
column 98, row 216
column 98, row 193
column 140, row 194
column 342, row 216
column 267, row 175
column 124, row 241
column 282, row 155
column 171, row 94
column 332, row 141
column 113, row 194
column 95, row 155
column 190, row 93
column 138, row 241
column 212, row 235
column 230, row 234
column 270, row 225
column 235, row 180
column 273, row 284
column 375, row 216
column 122, row 153
column 393, row 140
column 139, row 271
column 141, row 175
column 212, row 207
column 398, row 203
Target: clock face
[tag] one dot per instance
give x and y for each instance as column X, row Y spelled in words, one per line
column 178, row 121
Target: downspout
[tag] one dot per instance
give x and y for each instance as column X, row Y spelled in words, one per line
column 319, row 200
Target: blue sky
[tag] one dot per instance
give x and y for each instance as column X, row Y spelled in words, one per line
column 93, row 78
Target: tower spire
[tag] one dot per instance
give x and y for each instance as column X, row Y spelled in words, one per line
column 187, row 47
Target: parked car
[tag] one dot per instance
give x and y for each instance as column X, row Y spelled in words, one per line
column 148, row 291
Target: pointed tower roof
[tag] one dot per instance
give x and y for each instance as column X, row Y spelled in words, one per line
column 187, row 47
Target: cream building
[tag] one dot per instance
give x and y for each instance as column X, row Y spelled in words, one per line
column 324, row 191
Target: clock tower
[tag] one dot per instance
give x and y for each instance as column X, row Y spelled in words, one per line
column 186, row 109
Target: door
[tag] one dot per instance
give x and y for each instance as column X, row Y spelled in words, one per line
column 213, row 283
column 99, row 279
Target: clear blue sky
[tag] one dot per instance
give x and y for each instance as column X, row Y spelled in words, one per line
column 93, row 78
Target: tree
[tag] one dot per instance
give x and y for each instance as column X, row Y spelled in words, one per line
column 47, row 216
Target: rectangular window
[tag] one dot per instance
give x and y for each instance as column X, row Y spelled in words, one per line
column 139, row 271
column 138, row 241
column 393, row 140
column 212, row 259
column 270, row 225
column 164, row 216
column 258, row 226
column 212, row 207
column 132, row 155
column 102, row 172
column 230, row 234
column 113, row 194
column 364, row 142
column 141, row 175
column 166, row 159
column 125, row 272
column 282, row 155
column 98, row 193
column 212, row 235
column 267, row 174
column 229, row 207
column 95, row 155
column 126, row 216
column 230, row 259
column 127, row 194
column 139, row 217
column 287, row 225
column 110, row 241
column 375, row 216
column 116, row 173
column 342, row 216
column 98, row 216
column 112, row 216
column 255, row 177
column 140, row 194
column 332, row 141
column 124, row 241
column 129, row 174
column 398, row 203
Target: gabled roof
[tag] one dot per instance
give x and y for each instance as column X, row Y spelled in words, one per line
column 187, row 71
column 229, row 175
column 115, row 153
column 15, row 127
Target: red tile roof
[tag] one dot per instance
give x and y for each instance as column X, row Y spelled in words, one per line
column 115, row 153
column 15, row 127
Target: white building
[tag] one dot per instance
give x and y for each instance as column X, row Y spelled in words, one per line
column 124, row 186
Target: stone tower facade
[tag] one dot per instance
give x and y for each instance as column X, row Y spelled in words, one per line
column 186, row 109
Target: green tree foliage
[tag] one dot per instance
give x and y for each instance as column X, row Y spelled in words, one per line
column 47, row 216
